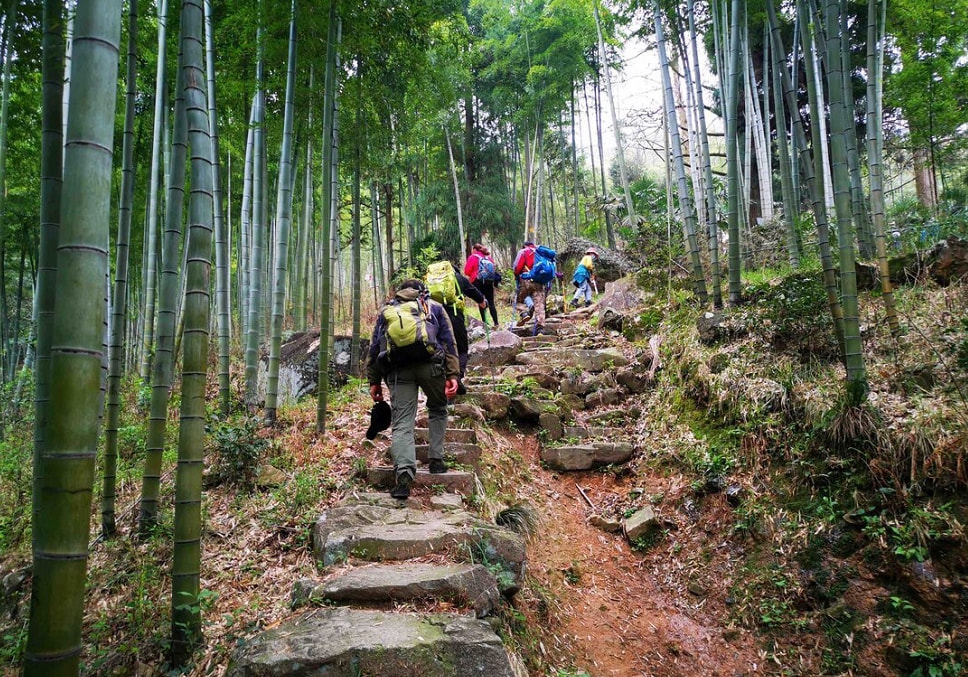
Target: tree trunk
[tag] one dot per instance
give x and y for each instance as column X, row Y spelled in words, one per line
column 120, row 295
column 283, row 225
column 67, row 464
column 255, row 329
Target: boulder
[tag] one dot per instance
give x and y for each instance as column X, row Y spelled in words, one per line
column 603, row 398
column 586, row 456
column 299, row 365
column 499, row 350
column 551, row 424
column 639, row 524
column 495, row 405
column 340, row 642
column 948, row 261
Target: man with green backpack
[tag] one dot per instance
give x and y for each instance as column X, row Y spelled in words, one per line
column 448, row 288
column 413, row 349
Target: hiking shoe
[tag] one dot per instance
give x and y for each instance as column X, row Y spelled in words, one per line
column 402, row 489
column 437, row 466
column 461, row 388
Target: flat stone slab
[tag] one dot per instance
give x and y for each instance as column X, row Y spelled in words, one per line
column 463, row 453
column 586, row 456
column 453, row 481
column 467, row 585
column 588, row 360
column 465, row 435
column 379, row 534
column 342, row 642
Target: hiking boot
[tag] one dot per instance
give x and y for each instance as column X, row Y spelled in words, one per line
column 437, row 466
column 461, row 388
column 402, row 489
column 587, row 303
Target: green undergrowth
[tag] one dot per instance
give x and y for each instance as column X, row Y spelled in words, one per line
column 832, row 496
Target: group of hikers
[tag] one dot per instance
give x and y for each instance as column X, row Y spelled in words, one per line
column 420, row 342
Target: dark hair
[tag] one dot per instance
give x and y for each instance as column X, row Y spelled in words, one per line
column 412, row 283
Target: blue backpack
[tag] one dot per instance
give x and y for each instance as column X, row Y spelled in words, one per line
column 486, row 269
column 543, row 271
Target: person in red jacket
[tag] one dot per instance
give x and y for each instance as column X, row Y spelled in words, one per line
column 523, row 262
column 483, row 274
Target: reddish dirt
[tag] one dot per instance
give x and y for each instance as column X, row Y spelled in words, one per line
column 613, row 610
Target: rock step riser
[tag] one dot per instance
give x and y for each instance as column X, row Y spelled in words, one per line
column 453, row 481
column 456, row 452
column 461, row 435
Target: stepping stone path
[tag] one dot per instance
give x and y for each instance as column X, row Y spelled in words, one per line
column 378, row 555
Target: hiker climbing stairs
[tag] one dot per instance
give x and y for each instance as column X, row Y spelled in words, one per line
column 388, row 567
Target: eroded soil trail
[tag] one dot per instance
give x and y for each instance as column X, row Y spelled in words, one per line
column 616, row 611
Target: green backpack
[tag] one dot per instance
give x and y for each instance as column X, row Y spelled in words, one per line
column 443, row 285
column 411, row 334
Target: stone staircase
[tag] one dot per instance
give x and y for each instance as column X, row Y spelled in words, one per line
column 407, row 587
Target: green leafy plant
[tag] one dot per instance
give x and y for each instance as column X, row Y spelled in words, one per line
column 238, row 449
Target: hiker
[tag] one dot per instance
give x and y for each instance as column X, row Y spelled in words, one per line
column 413, row 348
column 584, row 278
column 448, row 288
column 536, row 282
column 483, row 274
column 522, row 264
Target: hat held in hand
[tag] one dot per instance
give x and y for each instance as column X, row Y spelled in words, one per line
column 379, row 419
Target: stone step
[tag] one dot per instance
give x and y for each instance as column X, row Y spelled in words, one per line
column 465, row 585
column 341, row 642
column 375, row 533
column 463, row 453
column 453, row 480
column 587, row 456
column 467, row 435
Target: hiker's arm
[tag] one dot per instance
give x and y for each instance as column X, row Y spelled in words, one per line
column 445, row 337
column 468, row 289
column 373, row 372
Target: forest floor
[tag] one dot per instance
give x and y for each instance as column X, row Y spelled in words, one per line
column 720, row 591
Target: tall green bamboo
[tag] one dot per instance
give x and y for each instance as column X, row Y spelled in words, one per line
column 356, row 264
column 808, row 167
column 790, row 205
column 119, row 303
column 840, row 128
column 300, row 298
column 154, row 185
column 186, row 625
column 712, row 225
column 732, row 154
column 169, row 288
column 283, row 222
column 875, row 153
column 245, row 224
column 51, row 184
column 686, row 207
column 223, row 291
column 258, row 238
column 67, row 461
column 326, row 203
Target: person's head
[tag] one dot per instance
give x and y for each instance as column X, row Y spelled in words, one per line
column 479, row 248
column 485, row 251
column 412, row 283
column 529, row 244
column 594, row 254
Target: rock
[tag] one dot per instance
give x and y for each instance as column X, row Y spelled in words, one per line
column 589, row 360
column 494, row 405
column 500, row 350
column 377, row 533
column 302, row 592
column 551, row 424
column 341, row 642
column 586, row 456
column 734, row 494
column 610, row 319
column 710, row 328
column 948, row 260
column 299, row 365
column 635, row 381
column 267, row 477
column 465, row 435
column 463, row 584
column 454, row 480
column 526, row 410
column 573, row 383
column 611, row 525
column 640, row 524
column 622, row 295
column 603, row 398
column 868, row 276
column 446, row 502
column 467, row 410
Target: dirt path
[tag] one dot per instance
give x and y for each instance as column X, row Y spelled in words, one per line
column 615, row 612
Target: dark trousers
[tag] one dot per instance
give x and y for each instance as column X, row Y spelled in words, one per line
column 486, row 287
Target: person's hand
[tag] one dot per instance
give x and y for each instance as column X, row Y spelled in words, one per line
column 376, row 393
column 482, row 304
column 450, row 387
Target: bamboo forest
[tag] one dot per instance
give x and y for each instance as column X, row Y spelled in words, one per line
column 735, row 444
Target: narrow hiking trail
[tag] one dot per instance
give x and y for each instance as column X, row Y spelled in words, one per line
column 615, row 611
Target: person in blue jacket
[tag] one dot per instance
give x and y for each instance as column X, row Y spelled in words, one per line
column 583, row 278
